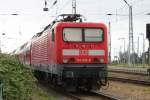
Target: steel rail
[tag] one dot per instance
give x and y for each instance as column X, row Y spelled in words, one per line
column 99, row 95
column 82, row 94
column 128, row 72
column 127, row 80
column 106, row 96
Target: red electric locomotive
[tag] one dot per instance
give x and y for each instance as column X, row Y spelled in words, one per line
column 69, row 52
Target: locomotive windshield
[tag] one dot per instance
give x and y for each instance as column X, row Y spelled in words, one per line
column 83, row 34
column 72, row 34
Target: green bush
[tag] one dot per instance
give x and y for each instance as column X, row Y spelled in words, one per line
column 17, row 78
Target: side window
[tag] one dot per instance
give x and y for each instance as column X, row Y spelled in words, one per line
column 53, row 35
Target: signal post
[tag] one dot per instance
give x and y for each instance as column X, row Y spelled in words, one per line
column 148, row 37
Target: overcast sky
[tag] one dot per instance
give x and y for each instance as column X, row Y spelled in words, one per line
column 32, row 19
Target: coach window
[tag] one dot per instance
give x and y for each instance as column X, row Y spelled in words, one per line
column 53, row 35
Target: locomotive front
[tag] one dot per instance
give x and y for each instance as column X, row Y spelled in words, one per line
column 82, row 50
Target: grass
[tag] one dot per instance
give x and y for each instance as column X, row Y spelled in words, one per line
column 147, row 90
column 144, row 90
column 130, row 91
column 39, row 94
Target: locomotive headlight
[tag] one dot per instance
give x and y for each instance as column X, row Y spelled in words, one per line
column 65, row 60
column 101, row 60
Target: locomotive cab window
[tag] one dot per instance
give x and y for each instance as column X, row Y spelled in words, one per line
column 93, row 35
column 83, row 35
column 72, row 34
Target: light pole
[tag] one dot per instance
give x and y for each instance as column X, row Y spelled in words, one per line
column 138, row 61
column 131, row 43
column 73, row 6
column 143, row 49
column 138, row 46
column 109, row 25
column 119, row 56
column 114, row 53
column 109, row 31
column 124, row 43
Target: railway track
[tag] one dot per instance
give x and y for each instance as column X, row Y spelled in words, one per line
column 129, row 72
column 133, row 71
column 92, row 96
column 129, row 77
column 127, row 80
column 100, row 95
column 81, row 95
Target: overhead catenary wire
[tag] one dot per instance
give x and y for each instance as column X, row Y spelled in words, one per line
column 65, row 5
column 134, row 3
column 115, row 12
column 59, row 8
column 46, row 4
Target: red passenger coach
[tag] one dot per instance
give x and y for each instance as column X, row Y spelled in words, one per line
column 71, row 53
